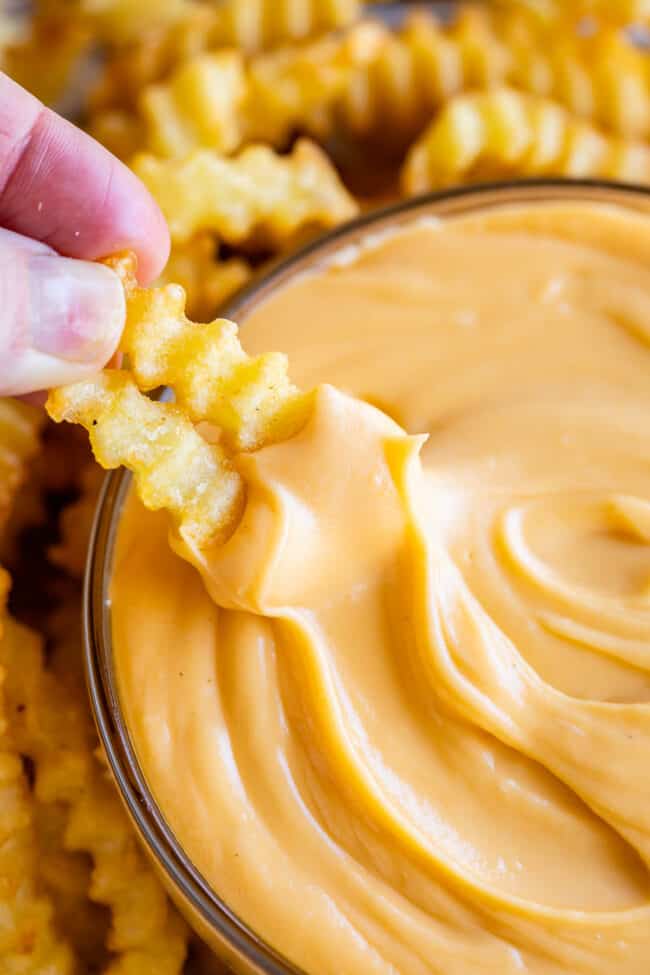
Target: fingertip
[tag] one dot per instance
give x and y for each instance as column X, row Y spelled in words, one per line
column 70, row 192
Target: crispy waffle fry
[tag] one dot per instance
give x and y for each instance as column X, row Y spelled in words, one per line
column 199, row 106
column 414, row 71
column 175, row 468
column 19, row 439
column 257, row 198
column 257, row 24
column 29, row 941
column 601, row 76
column 251, row 400
column 295, row 88
column 505, row 132
column 82, row 811
column 217, row 101
column 150, row 58
column 207, row 280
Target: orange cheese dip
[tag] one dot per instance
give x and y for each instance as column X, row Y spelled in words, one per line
column 402, row 725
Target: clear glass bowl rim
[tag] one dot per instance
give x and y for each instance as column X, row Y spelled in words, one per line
column 154, row 832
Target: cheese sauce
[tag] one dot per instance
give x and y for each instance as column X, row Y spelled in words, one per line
column 403, row 723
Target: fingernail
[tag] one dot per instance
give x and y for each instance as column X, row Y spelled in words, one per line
column 77, row 309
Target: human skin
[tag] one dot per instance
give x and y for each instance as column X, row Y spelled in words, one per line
column 65, row 202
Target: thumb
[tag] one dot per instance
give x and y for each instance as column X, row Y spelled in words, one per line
column 60, row 319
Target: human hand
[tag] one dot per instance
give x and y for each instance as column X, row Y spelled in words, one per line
column 61, row 193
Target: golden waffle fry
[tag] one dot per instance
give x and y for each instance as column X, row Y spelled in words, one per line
column 19, row 440
column 174, row 467
column 295, row 88
column 258, row 197
column 82, row 811
column 257, row 24
column 208, row 280
column 150, row 58
column 215, row 100
column 414, row 71
column 199, row 106
column 29, row 941
column 602, row 76
column 251, row 399
column 503, row 132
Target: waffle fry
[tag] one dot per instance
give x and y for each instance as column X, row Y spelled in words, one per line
column 207, row 280
column 295, row 88
column 199, row 106
column 251, row 400
column 257, row 198
column 29, row 941
column 82, row 811
column 257, row 24
column 19, row 440
column 416, row 70
column 504, row 132
column 601, row 76
column 174, row 467
column 149, row 59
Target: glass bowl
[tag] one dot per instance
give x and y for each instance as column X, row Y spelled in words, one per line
column 229, row 938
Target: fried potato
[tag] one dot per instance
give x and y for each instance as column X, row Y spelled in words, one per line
column 503, row 132
column 199, row 106
column 149, row 58
column 86, row 847
column 251, row 399
column 174, row 467
column 208, row 280
column 600, row 76
column 257, row 24
column 257, row 197
column 29, row 940
column 415, row 70
column 217, row 100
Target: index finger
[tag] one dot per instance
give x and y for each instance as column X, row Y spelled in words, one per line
column 59, row 186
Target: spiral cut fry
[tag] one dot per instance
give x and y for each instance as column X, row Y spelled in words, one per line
column 258, row 198
column 174, row 467
column 54, row 729
column 257, row 24
column 19, row 441
column 503, row 132
column 29, row 941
